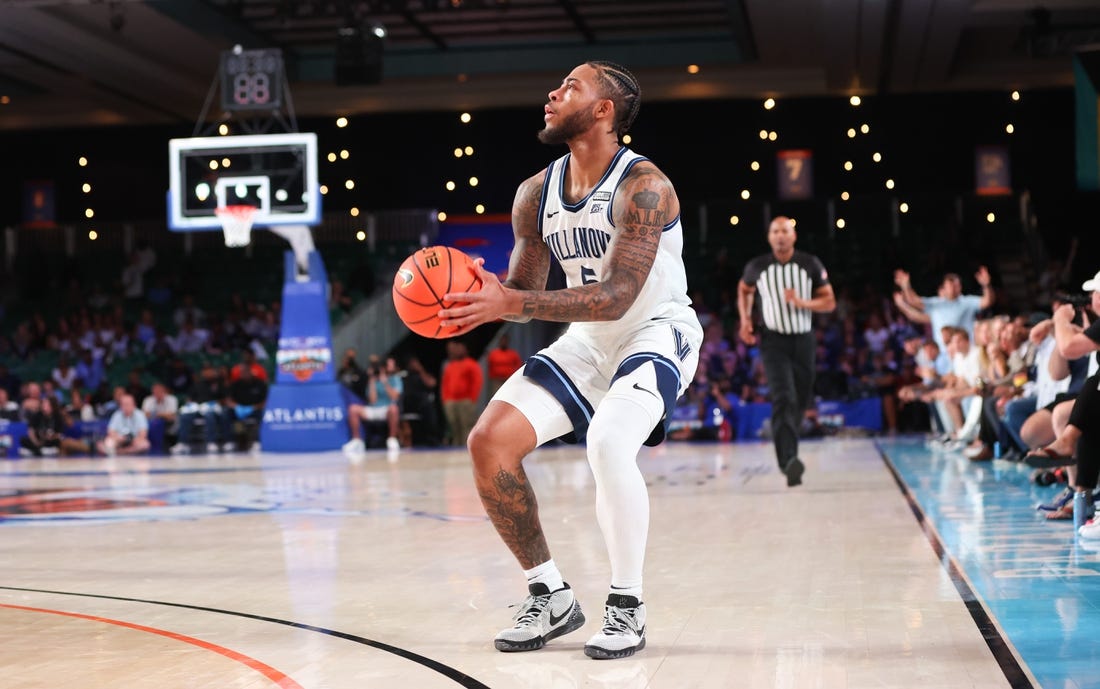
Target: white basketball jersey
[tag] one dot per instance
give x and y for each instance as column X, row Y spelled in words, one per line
column 582, row 235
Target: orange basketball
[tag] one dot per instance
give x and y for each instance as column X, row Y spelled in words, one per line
column 421, row 282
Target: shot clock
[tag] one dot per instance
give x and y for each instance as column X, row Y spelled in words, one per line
column 252, row 79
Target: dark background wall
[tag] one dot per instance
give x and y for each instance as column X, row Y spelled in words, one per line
column 403, row 160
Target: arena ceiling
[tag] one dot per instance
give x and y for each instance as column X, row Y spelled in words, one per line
column 76, row 63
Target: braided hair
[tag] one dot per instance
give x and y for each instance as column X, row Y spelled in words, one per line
column 622, row 89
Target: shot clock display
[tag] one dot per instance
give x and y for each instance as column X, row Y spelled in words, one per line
column 252, row 79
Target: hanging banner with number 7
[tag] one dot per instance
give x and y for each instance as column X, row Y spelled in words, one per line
column 796, row 174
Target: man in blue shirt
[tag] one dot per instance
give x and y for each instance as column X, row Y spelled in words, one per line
column 127, row 431
column 950, row 308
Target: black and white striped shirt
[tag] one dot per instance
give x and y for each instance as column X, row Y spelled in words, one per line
column 804, row 273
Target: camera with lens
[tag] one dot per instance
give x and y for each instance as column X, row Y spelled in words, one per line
column 1079, row 301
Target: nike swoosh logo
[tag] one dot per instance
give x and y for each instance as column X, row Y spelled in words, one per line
column 638, row 387
column 554, row 619
column 550, row 215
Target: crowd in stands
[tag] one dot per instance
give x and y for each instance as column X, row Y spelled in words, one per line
column 89, row 375
column 987, row 378
column 879, row 345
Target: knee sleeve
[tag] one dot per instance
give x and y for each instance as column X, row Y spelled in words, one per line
column 622, row 422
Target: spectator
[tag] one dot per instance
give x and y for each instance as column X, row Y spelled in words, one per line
column 187, row 311
column 245, row 401
column 179, row 376
column 49, row 389
column 106, row 400
column 352, row 376
column 460, row 391
column 135, row 386
column 45, row 432
column 163, row 405
column 31, row 401
column 420, row 399
column 204, row 400
column 1042, row 389
column 718, row 411
column 384, row 389
column 190, row 339
column 127, row 431
column 876, row 335
column 269, row 329
column 161, row 347
column 39, row 330
column 950, row 307
column 79, row 407
column 218, row 341
column 63, row 374
column 22, row 341
column 248, row 360
column 146, row 329
column 9, row 409
column 503, row 362
column 121, row 345
column 90, row 370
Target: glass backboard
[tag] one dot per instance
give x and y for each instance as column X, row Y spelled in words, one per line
column 276, row 173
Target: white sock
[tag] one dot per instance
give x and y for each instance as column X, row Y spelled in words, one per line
column 547, row 573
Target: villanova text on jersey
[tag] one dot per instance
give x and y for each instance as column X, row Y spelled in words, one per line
column 579, row 242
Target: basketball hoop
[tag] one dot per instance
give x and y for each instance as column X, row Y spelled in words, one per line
column 236, row 223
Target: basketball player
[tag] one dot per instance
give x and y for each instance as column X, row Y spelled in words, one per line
column 792, row 285
column 612, row 220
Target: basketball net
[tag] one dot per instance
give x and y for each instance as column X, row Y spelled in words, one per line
column 236, row 223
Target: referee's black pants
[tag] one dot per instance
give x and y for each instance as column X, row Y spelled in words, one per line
column 789, row 366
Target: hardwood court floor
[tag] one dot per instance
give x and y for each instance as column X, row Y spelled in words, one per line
column 309, row 571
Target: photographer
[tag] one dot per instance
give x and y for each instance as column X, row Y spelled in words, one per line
column 384, row 389
column 351, row 375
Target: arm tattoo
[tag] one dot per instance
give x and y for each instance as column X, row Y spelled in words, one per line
column 530, row 263
column 511, row 506
column 643, row 206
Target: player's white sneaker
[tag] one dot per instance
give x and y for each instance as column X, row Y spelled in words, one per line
column 623, row 631
column 542, row 616
column 354, row 447
column 393, row 444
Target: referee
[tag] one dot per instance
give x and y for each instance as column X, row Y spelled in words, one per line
column 792, row 284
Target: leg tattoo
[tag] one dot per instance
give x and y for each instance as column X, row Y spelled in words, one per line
column 511, row 506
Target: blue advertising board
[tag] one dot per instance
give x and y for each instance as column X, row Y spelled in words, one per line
column 305, row 410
